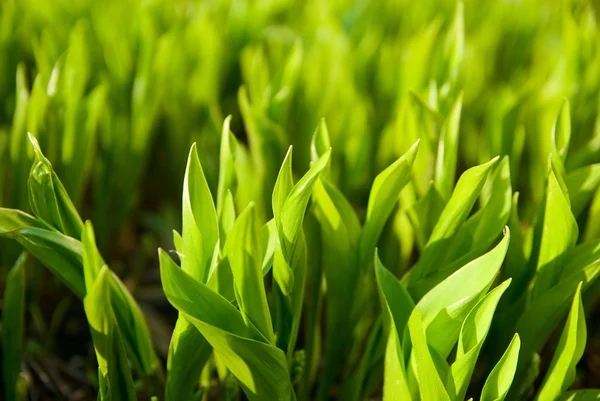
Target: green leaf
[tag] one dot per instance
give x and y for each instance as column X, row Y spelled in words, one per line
column 271, row 243
column 541, row 316
column 59, row 253
column 227, row 177
column 463, row 198
column 470, row 341
column 200, row 228
column 501, row 377
column 320, row 142
column 559, row 233
column 424, row 214
column 291, row 214
column 569, row 351
column 455, row 44
column 283, row 186
column 446, row 306
column 431, row 386
column 445, row 167
column 129, row 317
column 13, row 327
column 382, row 199
column 11, row 220
column 49, row 199
column 178, row 242
column 397, row 306
column 582, row 184
column 188, row 354
column 453, row 216
column 561, row 131
column 260, row 367
column 92, row 260
column 340, row 231
column 113, row 370
column 283, row 273
column 243, row 249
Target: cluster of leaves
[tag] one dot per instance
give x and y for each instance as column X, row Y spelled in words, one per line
column 279, row 273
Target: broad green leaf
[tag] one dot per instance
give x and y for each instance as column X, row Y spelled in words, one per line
column 447, row 153
column 501, row 377
column 559, row 233
column 13, row 327
column 480, row 231
column 200, row 228
column 382, row 199
column 12, row 220
column 59, row 253
column 477, row 234
column 463, row 198
column 243, row 249
column 397, row 305
column 49, row 199
column 292, row 211
column 472, row 335
column 260, row 367
column 444, row 308
column 113, row 369
column 582, row 184
column 454, row 214
column 569, row 351
column 431, row 386
column 190, row 294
